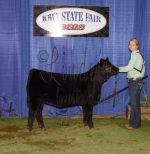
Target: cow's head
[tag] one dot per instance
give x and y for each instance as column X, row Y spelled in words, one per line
column 106, row 68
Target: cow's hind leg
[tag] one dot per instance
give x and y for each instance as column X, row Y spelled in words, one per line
column 39, row 117
column 33, row 108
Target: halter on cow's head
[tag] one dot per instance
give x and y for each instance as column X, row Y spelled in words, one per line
column 106, row 68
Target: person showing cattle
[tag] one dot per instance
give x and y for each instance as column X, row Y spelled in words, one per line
column 135, row 72
column 63, row 90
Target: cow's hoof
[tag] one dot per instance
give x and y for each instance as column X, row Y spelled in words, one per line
column 30, row 130
column 85, row 124
column 44, row 129
column 92, row 127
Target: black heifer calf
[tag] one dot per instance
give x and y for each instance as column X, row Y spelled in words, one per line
column 63, row 90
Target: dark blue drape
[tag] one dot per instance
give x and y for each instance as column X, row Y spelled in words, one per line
column 19, row 52
column 10, row 58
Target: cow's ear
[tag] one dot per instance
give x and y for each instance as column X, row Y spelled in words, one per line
column 107, row 59
column 101, row 60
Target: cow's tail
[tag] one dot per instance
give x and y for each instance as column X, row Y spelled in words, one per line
column 28, row 101
column 27, row 87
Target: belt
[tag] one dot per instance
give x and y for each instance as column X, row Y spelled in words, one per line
column 131, row 79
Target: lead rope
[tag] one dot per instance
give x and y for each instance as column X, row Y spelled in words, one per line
column 115, row 90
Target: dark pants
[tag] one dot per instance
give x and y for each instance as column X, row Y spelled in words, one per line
column 135, row 87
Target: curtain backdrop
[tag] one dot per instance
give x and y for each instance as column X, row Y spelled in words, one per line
column 19, row 52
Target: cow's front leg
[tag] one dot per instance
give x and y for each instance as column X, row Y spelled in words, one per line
column 39, row 117
column 89, row 121
column 84, row 115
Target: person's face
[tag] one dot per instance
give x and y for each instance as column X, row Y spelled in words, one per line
column 133, row 46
